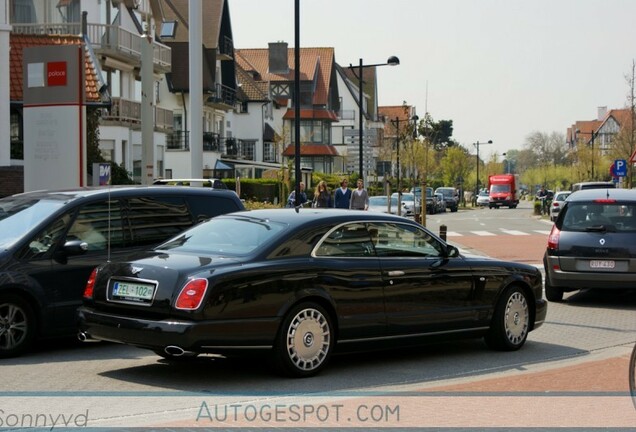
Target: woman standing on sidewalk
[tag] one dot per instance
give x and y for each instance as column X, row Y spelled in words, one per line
column 322, row 196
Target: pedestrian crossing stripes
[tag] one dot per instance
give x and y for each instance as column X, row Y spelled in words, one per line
column 502, row 231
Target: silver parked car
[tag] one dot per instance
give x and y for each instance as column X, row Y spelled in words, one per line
column 557, row 204
column 591, row 244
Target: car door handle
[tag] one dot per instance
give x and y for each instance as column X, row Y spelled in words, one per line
column 396, row 273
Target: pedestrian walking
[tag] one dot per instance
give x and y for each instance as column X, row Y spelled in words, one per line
column 342, row 197
column 291, row 199
column 322, row 196
column 359, row 197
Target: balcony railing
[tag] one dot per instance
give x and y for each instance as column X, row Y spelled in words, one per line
column 106, row 39
column 223, row 95
column 226, row 49
column 129, row 112
column 228, row 147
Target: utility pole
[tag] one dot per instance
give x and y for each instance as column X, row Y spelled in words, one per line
column 477, row 144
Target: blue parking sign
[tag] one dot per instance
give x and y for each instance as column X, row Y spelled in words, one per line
column 620, row 168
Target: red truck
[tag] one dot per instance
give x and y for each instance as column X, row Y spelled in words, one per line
column 502, row 190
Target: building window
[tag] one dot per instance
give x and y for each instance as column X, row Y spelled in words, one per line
column 248, row 148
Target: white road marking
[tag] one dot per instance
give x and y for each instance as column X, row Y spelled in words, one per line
column 514, row 232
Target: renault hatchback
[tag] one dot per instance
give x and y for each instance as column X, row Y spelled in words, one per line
column 592, row 243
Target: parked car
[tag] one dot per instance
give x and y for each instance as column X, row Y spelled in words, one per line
column 409, row 207
column 440, row 203
column 557, row 203
column 300, row 285
column 593, row 185
column 591, row 244
column 432, row 204
column 212, row 182
column 451, row 197
column 380, row 203
column 50, row 241
column 483, row 199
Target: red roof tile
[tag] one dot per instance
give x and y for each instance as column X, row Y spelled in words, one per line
column 311, row 114
column 316, row 64
column 19, row 41
column 311, row 150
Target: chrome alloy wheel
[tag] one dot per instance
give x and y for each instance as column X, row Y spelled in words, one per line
column 516, row 318
column 308, row 339
column 13, row 326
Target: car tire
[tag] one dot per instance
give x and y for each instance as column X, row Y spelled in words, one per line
column 553, row 293
column 510, row 322
column 17, row 326
column 304, row 342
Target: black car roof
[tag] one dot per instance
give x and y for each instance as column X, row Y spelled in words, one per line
column 122, row 191
column 592, row 194
column 305, row 215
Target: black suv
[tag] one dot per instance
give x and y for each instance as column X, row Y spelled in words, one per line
column 50, row 241
column 451, row 196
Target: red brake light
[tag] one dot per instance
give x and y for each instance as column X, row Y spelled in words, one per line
column 191, row 294
column 90, row 284
column 605, row 201
column 553, row 238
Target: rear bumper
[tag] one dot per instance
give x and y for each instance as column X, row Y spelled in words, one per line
column 573, row 280
column 196, row 336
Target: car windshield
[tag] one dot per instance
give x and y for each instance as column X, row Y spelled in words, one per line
column 18, row 215
column 500, row 188
column 613, row 217
column 227, row 236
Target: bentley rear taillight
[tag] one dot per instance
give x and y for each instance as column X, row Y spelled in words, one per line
column 553, row 238
column 192, row 294
column 90, row 284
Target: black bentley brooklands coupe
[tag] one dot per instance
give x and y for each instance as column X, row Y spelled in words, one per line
column 300, row 284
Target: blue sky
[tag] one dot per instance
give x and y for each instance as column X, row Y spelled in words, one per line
column 500, row 69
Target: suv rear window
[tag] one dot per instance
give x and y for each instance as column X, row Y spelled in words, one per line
column 595, row 216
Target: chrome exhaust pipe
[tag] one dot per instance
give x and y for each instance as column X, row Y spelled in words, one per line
column 177, row 351
column 85, row 337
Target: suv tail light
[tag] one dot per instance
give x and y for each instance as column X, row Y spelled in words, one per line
column 90, row 284
column 192, row 294
column 553, row 238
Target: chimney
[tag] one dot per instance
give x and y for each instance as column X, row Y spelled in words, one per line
column 278, row 58
column 602, row 112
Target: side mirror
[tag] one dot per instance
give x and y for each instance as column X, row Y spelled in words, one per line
column 452, row 251
column 75, row 247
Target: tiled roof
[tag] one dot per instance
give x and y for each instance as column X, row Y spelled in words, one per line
column 316, row 64
column 315, row 114
column 622, row 116
column 19, row 41
column 211, row 16
column 250, row 90
column 311, row 150
column 389, row 113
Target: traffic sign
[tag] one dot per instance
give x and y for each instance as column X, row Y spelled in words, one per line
column 619, row 168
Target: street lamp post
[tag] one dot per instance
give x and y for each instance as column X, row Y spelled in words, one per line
column 396, row 122
column 477, row 144
column 391, row 61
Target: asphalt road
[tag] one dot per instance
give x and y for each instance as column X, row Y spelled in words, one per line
column 438, row 385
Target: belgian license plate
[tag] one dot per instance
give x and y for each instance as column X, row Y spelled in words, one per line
column 602, row 264
column 133, row 291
